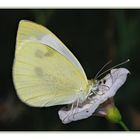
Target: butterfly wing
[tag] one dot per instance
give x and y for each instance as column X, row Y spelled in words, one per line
column 32, row 31
column 44, row 77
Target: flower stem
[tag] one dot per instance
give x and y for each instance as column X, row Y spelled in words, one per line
column 123, row 125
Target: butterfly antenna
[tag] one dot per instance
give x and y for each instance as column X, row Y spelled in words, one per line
column 102, row 68
column 113, row 67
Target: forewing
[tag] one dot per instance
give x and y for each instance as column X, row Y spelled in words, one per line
column 32, row 31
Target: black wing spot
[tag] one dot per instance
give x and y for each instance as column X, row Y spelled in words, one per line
column 48, row 53
column 38, row 71
column 39, row 54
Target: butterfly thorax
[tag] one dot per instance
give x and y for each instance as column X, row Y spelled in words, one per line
column 92, row 86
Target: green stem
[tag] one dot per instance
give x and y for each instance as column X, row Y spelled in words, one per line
column 123, row 126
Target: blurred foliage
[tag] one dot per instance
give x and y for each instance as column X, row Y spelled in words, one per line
column 95, row 37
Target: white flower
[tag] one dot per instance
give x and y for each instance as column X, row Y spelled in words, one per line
column 107, row 88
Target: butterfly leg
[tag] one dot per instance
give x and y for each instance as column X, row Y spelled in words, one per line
column 69, row 113
column 73, row 110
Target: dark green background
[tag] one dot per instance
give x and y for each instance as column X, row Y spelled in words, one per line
column 95, row 37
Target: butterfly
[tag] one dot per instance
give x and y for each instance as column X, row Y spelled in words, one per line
column 45, row 72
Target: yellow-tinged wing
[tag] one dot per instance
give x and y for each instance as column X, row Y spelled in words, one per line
column 31, row 31
column 44, row 77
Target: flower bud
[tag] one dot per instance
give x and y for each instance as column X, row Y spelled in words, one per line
column 113, row 114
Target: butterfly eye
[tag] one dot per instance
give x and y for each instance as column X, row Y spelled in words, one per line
column 100, row 82
column 104, row 81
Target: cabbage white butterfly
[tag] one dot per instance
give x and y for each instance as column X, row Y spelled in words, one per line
column 45, row 72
